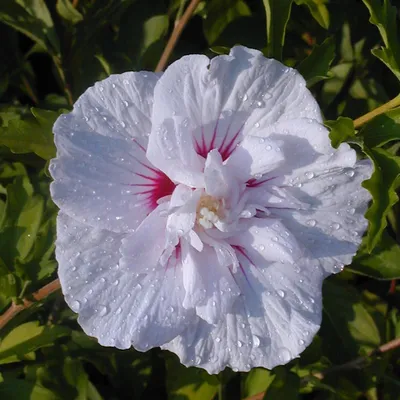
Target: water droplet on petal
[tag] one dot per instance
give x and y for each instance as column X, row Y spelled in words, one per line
column 262, row 247
column 350, row 173
column 218, row 339
column 75, row 305
column 301, row 342
column 103, row 310
column 281, row 293
column 268, row 148
column 351, row 211
column 257, row 124
column 284, row 355
column 256, row 341
column 311, row 222
column 309, row 175
column 336, row 226
column 245, row 97
column 118, row 311
column 239, row 343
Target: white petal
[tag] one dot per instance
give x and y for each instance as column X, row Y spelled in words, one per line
column 306, row 148
column 117, row 306
column 255, row 156
column 217, row 177
column 209, row 286
column 119, row 106
column 142, row 249
column 101, row 174
column 171, row 150
column 332, row 228
column 272, row 322
column 218, row 96
column 267, row 239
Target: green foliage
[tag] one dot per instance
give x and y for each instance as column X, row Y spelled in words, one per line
column 53, row 50
column 384, row 17
column 277, row 13
column 318, row 10
column 31, row 135
column 315, row 67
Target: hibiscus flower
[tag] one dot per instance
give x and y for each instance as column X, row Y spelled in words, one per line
column 201, row 209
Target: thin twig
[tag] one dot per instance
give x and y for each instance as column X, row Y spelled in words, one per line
column 380, row 110
column 176, row 33
column 353, row 364
column 41, row 294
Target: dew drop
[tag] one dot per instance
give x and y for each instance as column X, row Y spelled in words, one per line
column 260, row 103
column 351, row 211
column 245, row 97
column 103, row 310
column 257, row 124
column 301, row 342
column 75, row 305
column 350, row 173
column 268, row 148
column 239, row 343
column 336, row 226
column 261, row 140
column 262, row 247
column 284, row 355
column 281, row 293
column 118, row 311
column 311, row 222
column 218, row 339
column 256, row 341
column 309, row 175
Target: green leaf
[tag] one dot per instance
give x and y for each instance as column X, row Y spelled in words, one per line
column 23, row 215
column 382, row 129
column 19, row 389
column 382, row 185
column 349, row 320
column 277, row 13
column 220, row 13
column 256, row 381
column 27, row 338
column 341, row 130
column 316, row 66
column 384, row 16
column 69, row 13
column 286, row 385
column 31, row 135
column 381, row 263
column 190, row 383
column 32, row 18
column 318, row 10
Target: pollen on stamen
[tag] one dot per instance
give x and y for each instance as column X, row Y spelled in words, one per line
column 209, row 211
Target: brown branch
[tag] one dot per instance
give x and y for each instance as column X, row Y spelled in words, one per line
column 176, row 33
column 353, row 364
column 75, row 3
column 41, row 294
